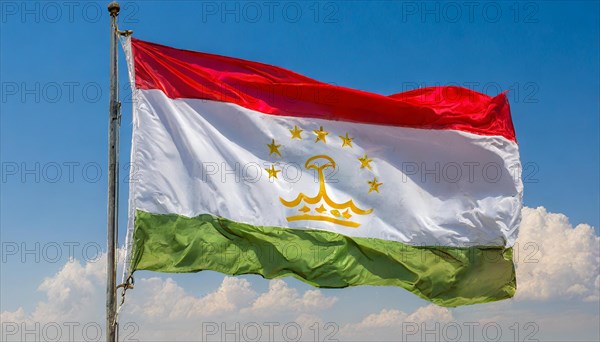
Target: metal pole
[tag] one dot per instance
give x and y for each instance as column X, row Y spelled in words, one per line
column 113, row 131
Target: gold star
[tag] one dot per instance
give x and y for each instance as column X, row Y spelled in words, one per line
column 304, row 209
column 273, row 148
column 296, row 132
column 272, row 172
column 321, row 134
column 346, row 141
column 364, row 162
column 374, row 185
column 321, row 209
column 347, row 214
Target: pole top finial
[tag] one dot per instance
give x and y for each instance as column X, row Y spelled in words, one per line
column 114, row 8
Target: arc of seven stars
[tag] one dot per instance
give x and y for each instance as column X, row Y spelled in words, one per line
column 321, row 135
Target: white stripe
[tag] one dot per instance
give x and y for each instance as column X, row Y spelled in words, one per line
column 440, row 187
column 126, row 43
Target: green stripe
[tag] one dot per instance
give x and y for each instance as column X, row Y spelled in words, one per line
column 447, row 276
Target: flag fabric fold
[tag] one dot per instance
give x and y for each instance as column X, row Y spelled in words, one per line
column 246, row 168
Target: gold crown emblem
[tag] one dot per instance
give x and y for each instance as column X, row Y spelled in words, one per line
column 339, row 213
column 321, row 207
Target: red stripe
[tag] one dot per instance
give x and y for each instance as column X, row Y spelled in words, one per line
column 276, row 91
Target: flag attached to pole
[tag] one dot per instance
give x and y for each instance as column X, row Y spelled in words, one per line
column 245, row 168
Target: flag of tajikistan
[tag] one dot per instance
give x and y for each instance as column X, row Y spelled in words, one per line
column 245, row 168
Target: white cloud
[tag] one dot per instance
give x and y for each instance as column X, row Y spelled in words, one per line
column 430, row 313
column 282, row 298
column 385, row 318
column 71, row 295
column 159, row 299
column 390, row 324
column 160, row 309
column 555, row 260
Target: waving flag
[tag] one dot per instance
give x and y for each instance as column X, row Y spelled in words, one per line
column 245, row 168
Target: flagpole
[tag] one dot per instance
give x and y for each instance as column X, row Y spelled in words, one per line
column 113, row 131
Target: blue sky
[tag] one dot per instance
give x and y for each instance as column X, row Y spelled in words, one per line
column 54, row 59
